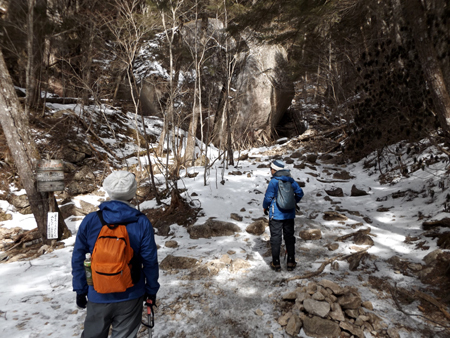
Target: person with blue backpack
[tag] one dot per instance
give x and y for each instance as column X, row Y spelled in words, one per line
column 280, row 202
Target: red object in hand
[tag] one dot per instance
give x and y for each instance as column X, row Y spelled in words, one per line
column 149, row 306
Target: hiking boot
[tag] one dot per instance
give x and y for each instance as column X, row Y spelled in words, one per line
column 291, row 264
column 275, row 266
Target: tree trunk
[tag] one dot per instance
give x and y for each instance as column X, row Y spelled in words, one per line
column 87, row 64
column 189, row 156
column 415, row 15
column 25, row 153
column 36, row 23
column 31, row 67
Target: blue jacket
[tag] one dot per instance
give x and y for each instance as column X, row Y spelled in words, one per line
column 142, row 240
column 271, row 194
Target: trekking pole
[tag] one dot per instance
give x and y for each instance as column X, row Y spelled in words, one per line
column 150, row 318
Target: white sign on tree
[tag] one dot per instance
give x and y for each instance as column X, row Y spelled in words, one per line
column 52, row 225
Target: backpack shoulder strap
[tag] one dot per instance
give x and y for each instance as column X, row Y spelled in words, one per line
column 111, row 226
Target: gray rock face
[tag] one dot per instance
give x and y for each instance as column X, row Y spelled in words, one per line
column 320, row 328
column 264, row 90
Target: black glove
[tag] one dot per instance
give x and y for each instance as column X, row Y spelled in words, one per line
column 150, row 301
column 266, row 212
column 151, row 298
column 82, row 300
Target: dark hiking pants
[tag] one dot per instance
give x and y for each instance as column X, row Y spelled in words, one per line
column 278, row 229
column 125, row 318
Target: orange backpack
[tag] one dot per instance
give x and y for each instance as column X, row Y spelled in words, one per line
column 112, row 259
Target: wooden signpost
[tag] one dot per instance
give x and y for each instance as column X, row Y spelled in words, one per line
column 50, row 178
column 50, row 175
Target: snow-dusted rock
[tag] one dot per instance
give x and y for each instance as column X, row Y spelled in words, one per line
column 257, row 228
column 310, row 234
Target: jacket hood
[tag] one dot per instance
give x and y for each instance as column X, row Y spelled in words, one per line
column 283, row 175
column 118, row 211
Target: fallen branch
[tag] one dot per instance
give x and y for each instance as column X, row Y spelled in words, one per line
column 331, row 181
column 27, row 236
column 354, row 254
column 324, row 264
column 359, row 232
column 309, row 135
column 428, row 225
column 435, row 302
column 315, row 273
column 393, row 290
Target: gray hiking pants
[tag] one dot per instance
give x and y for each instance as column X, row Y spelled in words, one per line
column 278, row 229
column 125, row 318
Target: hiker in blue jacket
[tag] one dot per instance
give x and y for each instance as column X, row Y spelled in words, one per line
column 281, row 221
column 122, row 310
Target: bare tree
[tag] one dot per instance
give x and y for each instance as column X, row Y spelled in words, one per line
column 25, row 153
column 170, row 20
column 129, row 28
column 31, row 70
column 204, row 41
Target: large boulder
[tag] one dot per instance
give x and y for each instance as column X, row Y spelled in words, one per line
column 264, row 91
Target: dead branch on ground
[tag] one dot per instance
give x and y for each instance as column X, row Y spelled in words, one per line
column 394, row 290
column 353, row 234
column 27, row 236
column 324, row 264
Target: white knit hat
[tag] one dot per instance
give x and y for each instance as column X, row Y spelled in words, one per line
column 277, row 165
column 120, row 185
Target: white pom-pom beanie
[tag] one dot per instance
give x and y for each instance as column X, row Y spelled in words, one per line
column 120, row 185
